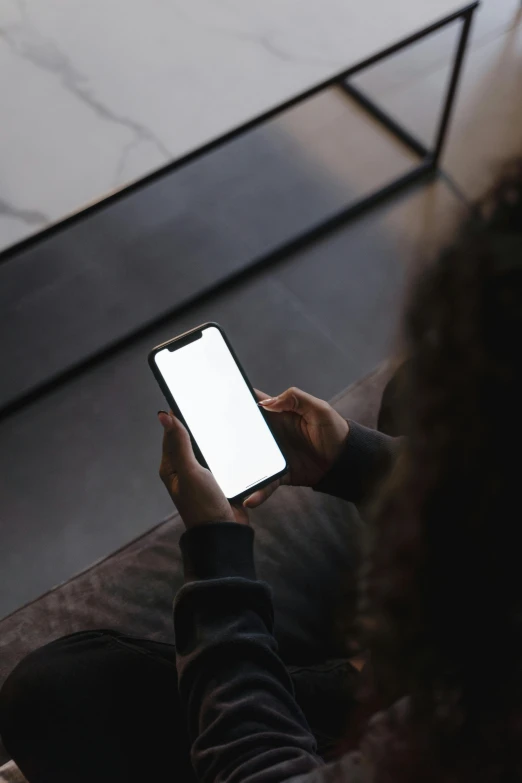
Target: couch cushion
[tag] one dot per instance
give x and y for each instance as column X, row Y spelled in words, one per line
column 9, row 773
column 307, row 549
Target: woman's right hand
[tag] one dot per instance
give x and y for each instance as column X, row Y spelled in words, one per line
column 311, row 434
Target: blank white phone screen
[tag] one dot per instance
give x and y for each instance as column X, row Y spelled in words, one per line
column 221, row 413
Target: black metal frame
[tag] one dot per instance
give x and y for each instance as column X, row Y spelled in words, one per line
column 430, row 162
column 430, row 159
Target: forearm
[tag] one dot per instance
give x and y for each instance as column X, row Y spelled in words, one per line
column 243, row 721
column 367, row 459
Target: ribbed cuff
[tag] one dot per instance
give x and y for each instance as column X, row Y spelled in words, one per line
column 218, row 550
column 366, row 455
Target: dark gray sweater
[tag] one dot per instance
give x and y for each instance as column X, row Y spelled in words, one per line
column 244, row 723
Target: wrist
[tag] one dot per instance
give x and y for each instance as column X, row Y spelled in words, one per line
column 338, row 450
column 218, row 550
column 191, row 524
column 343, row 431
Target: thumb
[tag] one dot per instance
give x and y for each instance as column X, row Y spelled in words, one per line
column 293, row 400
column 177, row 447
column 257, row 498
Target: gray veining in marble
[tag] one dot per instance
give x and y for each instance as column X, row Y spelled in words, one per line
column 25, row 41
column 29, row 216
column 96, row 95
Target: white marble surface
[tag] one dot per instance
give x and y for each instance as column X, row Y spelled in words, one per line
column 97, row 93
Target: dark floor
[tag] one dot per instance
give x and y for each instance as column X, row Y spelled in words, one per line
column 78, row 468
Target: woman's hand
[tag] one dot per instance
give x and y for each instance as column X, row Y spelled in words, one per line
column 193, row 489
column 311, row 433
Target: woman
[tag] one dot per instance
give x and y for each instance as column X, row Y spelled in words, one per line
column 442, row 590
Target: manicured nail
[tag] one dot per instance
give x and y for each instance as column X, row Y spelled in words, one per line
column 165, row 419
column 267, row 402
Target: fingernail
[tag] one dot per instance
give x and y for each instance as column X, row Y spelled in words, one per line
column 164, row 418
column 245, row 501
column 267, row 402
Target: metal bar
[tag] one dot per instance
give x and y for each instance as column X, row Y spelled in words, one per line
column 421, row 171
column 9, row 252
column 427, row 167
column 453, row 85
column 385, row 119
column 398, row 130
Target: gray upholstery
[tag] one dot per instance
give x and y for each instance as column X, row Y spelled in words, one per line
column 307, row 548
column 9, row 773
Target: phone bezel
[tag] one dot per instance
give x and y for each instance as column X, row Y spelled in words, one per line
column 178, row 342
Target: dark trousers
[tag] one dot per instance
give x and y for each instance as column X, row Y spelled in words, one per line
column 98, row 706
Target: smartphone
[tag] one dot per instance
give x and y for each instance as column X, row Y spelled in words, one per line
column 207, row 389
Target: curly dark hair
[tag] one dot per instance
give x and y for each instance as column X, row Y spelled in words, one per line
column 443, row 588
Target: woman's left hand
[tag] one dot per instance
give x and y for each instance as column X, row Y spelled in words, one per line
column 193, row 489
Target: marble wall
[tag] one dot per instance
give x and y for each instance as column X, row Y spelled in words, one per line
column 97, row 93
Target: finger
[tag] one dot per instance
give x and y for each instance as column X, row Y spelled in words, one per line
column 261, row 395
column 260, row 496
column 295, row 400
column 178, row 453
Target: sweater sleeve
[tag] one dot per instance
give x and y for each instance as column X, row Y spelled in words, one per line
column 366, row 460
column 243, row 721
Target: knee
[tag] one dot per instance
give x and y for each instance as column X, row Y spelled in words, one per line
column 41, row 683
column 24, row 695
